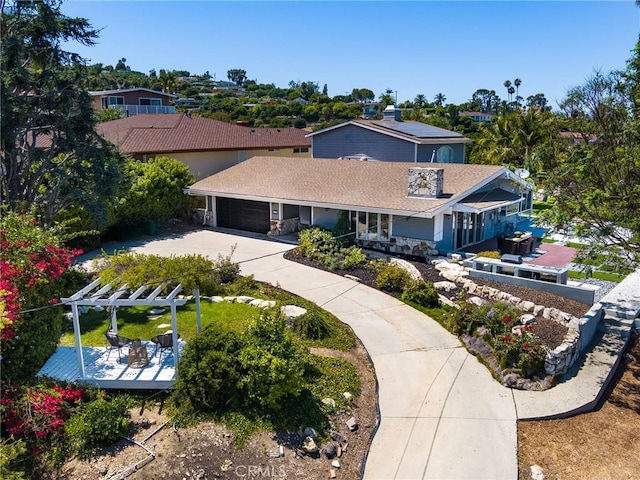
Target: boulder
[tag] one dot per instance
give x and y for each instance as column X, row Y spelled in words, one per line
column 216, row 299
column 244, row 299
column 445, row 285
column 330, row 450
column 526, row 319
column 309, row 445
column 310, row 432
column 292, row 311
column 477, row 301
column 352, row 423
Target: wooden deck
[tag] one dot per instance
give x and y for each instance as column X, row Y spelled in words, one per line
column 112, row 372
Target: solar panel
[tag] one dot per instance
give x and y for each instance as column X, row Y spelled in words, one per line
column 417, row 129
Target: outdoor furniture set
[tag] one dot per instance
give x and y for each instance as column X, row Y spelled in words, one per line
column 137, row 356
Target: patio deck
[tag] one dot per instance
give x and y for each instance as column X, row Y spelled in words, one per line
column 101, row 372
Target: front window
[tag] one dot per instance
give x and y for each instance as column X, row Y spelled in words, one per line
column 469, row 228
column 113, row 101
column 373, row 226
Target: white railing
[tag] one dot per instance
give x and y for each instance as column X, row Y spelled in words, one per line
column 140, row 109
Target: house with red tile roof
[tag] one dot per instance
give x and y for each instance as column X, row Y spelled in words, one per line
column 207, row 146
column 397, row 207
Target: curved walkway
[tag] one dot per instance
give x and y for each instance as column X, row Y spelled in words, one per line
column 442, row 414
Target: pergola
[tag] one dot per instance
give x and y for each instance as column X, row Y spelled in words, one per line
column 110, row 299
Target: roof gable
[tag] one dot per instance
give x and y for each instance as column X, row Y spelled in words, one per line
column 99, row 93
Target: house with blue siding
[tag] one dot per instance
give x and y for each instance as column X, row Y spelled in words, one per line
column 390, row 139
column 396, row 207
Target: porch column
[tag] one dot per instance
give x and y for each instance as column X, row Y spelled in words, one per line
column 114, row 318
column 76, row 334
column 210, row 214
column 174, row 333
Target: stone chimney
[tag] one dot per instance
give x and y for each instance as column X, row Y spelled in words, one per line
column 392, row 113
column 426, row 182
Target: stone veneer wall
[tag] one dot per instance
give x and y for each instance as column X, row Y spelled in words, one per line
column 402, row 245
column 580, row 330
column 283, row 227
column 425, row 182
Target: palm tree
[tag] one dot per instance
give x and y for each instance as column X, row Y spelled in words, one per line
column 167, row 80
column 507, row 85
column 517, row 82
column 420, row 100
column 439, row 99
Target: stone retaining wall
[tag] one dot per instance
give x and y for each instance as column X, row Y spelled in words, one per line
column 560, row 359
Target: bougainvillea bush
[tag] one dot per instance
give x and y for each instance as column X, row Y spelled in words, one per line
column 34, row 275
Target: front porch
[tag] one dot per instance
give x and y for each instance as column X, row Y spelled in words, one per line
column 105, row 370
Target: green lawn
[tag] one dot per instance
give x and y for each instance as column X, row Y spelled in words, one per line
column 135, row 322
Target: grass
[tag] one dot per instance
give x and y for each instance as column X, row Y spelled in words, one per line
column 135, row 322
column 548, row 240
column 610, row 277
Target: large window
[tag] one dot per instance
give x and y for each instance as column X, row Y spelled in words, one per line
column 113, row 101
column 150, row 101
column 373, row 226
column 469, row 228
column 444, row 154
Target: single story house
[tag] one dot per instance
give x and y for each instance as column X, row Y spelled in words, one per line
column 207, row 146
column 134, row 101
column 478, row 116
column 398, row 207
column 390, row 139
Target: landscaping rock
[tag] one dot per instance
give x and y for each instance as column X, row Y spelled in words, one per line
column 256, row 302
column 536, row 472
column 477, row 301
column 309, row 445
column 352, row 423
column 347, row 395
column 310, row 432
column 292, row 311
column 230, row 299
column 445, row 285
column 329, row 401
column 330, row 450
column 335, row 464
column 527, row 319
column 338, row 437
column 216, row 299
column 352, row 277
column 244, row 299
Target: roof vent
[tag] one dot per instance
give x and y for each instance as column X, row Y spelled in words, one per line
column 425, row 182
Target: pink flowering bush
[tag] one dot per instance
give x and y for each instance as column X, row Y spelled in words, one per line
column 33, row 276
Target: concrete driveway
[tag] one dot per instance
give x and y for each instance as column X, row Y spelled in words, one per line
column 442, row 415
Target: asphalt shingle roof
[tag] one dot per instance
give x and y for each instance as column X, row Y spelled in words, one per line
column 348, row 183
column 179, row 133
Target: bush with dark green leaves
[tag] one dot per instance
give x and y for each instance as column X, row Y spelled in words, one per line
column 311, row 326
column 422, row 293
column 209, row 372
column 98, row 423
column 393, row 279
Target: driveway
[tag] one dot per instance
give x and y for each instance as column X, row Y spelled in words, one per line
column 442, row 414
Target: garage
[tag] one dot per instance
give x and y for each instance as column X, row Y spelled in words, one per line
column 243, row 214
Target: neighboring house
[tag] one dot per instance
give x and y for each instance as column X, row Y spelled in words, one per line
column 390, row 140
column 396, row 207
column 134, row 101
column 207, row 146
column 478, row 116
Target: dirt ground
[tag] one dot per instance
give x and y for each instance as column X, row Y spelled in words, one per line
column 206, row 451
column 600, row 445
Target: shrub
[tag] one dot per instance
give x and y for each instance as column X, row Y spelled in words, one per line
column 315, row 240
column 225, row 270
column 10, row 453
column 273, row 363
column 98, row 423
column 392, row 279
column 311, row 326
column 520, row 350
column 209, row 372
column 422, row 293
column 489, row 254
column 352, row 257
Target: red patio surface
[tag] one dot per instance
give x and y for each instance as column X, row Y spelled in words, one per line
column 555, row 255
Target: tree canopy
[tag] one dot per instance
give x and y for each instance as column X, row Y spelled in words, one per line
column 52, row 157
column 598, row 178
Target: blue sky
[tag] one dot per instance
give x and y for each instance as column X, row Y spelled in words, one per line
column 427, row 47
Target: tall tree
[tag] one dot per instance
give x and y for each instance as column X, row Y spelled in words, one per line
column 420, row 100
column 439, row 100
column 598, row 180
column 167, row 80
column 507, row 85
column 237, row 75
column 517, row 82
column 51, row 155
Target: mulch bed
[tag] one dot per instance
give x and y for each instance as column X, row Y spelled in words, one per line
column 550, row 332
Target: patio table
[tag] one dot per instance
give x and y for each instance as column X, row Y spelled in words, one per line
column 138, row 357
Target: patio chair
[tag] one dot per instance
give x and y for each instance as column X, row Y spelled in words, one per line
column 162, row 342
column 115, row 341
